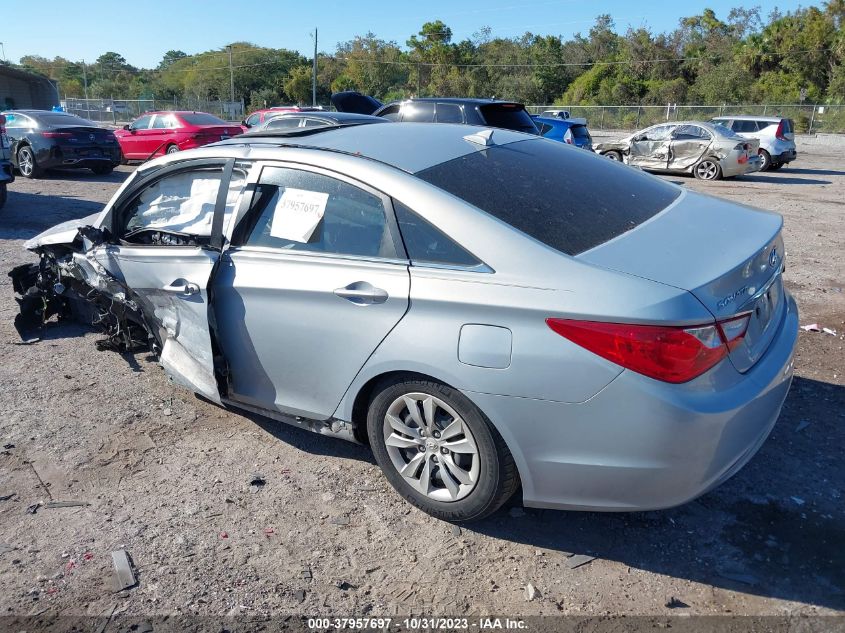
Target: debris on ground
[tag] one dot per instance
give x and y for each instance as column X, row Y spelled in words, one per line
column 339, row 521
column 456, row 530
column 124, row 576
column 803, row 424
column 578, row 559
column 299, row 594
column 5, row 547
column 830, row 331
column 224, row 534
column 257, row 481
column 8, row 446
column 65, row 504
column 674, row 603
column 306, row 573
column 33, row 508
column 7, row 497
column 344, row 585
column 531, row 592
column 268, row 532
column 811, row 327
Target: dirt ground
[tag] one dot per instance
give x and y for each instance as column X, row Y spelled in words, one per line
column 167, row 476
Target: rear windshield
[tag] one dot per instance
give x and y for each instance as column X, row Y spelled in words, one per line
column 201, row 118
column 510, row 116
column 51, row 118
column 579, row 131
column 567, row 199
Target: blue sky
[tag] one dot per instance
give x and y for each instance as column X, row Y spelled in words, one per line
column 143, row 30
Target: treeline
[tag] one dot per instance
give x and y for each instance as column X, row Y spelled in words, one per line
column 744, row 58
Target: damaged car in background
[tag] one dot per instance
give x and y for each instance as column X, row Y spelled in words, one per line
column 707, row 150
column 628, row 348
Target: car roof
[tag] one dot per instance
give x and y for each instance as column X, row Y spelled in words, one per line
column 472, row 100
column 553, row 120
column 749, row 117
column 331, row 116
column 177, row 112
column 432, row 143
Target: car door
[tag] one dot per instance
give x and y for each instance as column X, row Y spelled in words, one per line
column 17, row 127
column 167, row 232
column 688, row 146
column 650, row 149
column 313, row 281
column 153, row 140
column 131, row 143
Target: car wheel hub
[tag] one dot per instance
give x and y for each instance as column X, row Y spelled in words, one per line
column 431, row 447
column 707, row 170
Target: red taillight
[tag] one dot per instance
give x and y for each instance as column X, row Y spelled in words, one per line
column 779, row 132
column 56, row 134
column 669, row 353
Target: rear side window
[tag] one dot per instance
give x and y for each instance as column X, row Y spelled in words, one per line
column 579, row 131
column 510, row 116
column 449, row 113
column 745, row 126
column 426, row 244
column 304, row 211
column 201, row 118
column 418, row 112
column 570, row 201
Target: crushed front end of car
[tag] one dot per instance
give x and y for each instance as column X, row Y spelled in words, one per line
column 69, row 284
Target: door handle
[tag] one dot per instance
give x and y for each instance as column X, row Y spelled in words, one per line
column 362, row 293
column 182, row 287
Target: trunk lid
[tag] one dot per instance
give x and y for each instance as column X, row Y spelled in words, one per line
column 352, row 101
column 83, row 135
column 217, row 131
column 728, row 255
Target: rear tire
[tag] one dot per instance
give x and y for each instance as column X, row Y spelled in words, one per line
column 172, row 149
column 767, row 160
column 27, row 164
column 613, row 155
column 456, row 465
column 4, row 194
column 707, row 169
column 103, row 170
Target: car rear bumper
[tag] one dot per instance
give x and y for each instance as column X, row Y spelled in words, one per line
column 640, row 444
column 785, row 157
column 61, row 156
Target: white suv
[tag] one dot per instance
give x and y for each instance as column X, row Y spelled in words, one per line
column 776, row 134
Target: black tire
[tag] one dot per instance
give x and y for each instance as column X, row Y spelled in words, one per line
column 776, row 166
column 767, row 160
column 613, row 155
column 4, row 194
column 497, row 477
column 171, row 149
column 103, row 170
column 27, row 165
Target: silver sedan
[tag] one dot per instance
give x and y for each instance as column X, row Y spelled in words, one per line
column 709, row 151
column 490, row 311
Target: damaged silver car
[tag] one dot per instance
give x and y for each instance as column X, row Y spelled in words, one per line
column 707, row 150
column 481, row 333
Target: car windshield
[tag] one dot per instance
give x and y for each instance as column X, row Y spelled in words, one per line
column 571, row 201
column 51, row 118
column 510, row 116
column 201, row 118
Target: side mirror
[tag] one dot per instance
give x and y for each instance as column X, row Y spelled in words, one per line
column 126, row 127
column 244, row 123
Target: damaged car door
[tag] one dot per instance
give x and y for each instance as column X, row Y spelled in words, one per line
column 166, row 239
column 688, row 146
column 313, row 280
column 650, row 148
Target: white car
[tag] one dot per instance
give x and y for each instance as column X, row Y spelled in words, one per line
column 776, row 136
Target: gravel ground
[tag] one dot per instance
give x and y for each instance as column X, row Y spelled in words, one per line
column 167, row 477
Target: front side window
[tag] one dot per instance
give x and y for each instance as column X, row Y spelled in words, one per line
column 180, row 205
column 418, row 112
column 296, row 210
column 18, row 121
column 658, row 133
column 391, row 113
column 690, row 132
column 283, row 123
column 141, row 123
column 427, row 244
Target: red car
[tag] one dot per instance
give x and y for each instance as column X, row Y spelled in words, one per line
column 158, row 133
column 260, row 116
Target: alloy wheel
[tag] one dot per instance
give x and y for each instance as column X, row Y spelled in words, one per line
column 431, row 447
column 707, row 170
column 26, row 162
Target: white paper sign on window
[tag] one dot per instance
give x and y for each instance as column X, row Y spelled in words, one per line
column 297, row 214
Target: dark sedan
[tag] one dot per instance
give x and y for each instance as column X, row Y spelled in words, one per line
column 42, row 139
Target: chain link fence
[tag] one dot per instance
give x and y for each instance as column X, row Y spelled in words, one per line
column 808, row 119
column 117, row 111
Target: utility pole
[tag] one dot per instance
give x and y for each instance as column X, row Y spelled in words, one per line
column 231, row 76
column 85, row 83
column 314, row 72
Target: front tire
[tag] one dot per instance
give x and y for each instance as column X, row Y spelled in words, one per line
column 613, row 155
column 438, row 450
column 708, row 169
column 767, row 160
column 27, row 164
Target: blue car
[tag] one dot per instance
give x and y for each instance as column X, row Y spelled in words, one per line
column 572, row 131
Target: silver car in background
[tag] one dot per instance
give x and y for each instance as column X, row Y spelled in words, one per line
column 489, row 310
column 706, row 150
column 775, row 134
